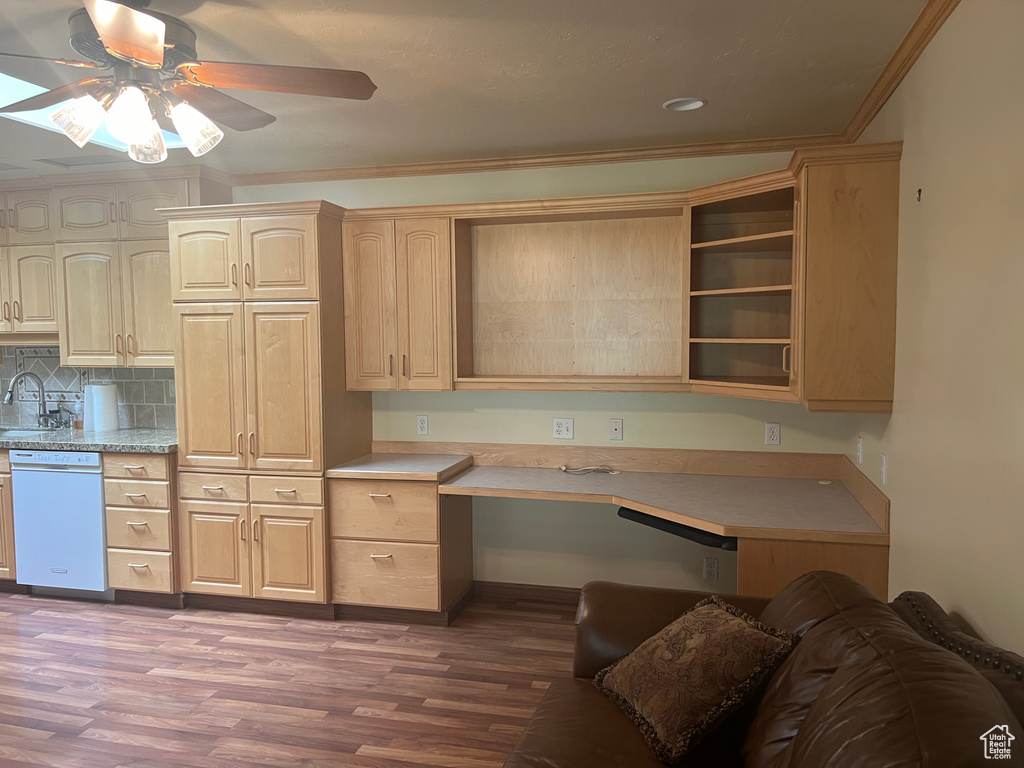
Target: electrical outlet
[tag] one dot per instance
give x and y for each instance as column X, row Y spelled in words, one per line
column 885, row 470
column 860, row 450
column 563, row 429
column 422, row 425
column 710, row 569
column 614, row 429
column 772, row 432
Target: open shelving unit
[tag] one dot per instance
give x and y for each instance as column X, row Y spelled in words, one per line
column 741, row 291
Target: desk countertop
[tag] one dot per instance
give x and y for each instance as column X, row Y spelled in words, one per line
column 402, row 466
column 754, row 507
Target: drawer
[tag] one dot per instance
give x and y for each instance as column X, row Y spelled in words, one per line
column 208, row 487
column 385, row 573
column 136, row 466
column 286, row 490
column 138, row 528
column 137, row 493
column 382, row 509
column 136, row 569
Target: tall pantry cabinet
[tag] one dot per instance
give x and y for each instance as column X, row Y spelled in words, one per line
column 262, row 405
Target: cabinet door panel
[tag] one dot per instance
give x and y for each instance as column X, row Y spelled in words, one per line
column 211, row 386
column 288, row 553
column 29, row 217
column 279, row 258
column 371, row 337
column 33, row 289
column 87, row 212
column 138, row 202
column 215, row 556
column 89, row 305
column 6, row 529
column 6, row 316
column 283, row 386
column 424, row 304
column 205, row 260
column 146, row 285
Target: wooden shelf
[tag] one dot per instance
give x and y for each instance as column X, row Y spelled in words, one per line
column 739, row 341
column 757, row 290
column 771, row 382
column 762, row 242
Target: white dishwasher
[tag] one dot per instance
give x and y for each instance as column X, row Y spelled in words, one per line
column 60, row 538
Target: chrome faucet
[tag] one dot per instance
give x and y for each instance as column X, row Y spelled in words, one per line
column 46, row 419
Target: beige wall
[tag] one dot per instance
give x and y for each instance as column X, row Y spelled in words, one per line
column 955, row 440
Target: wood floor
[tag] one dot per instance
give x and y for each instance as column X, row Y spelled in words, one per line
column 94, row 686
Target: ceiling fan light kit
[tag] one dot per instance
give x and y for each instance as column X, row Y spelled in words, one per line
column 156, row 72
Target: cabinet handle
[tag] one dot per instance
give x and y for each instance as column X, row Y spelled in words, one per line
column 138, row 565
column 135, row 495
column 131, row 344
column 113, row 214
column 786, row 366
column 246, row 270
column 285, row 490
column 118, row 341
column 2, row 224
column 234, row 274
column 135, row 524
column 241, row 448
column 380, row 495
column 17, row 311
column 124, row 212
column 252, row 443
column 404, row 370
column 219, row 488
column 12, row 219
column 381, row 557
column 242, row 527
column 255, row 530
column 7, row 310
column 132, row 467
column 391, row 365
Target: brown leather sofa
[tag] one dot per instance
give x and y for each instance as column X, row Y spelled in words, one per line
column 869, row 684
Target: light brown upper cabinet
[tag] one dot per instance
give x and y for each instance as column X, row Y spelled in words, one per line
column 26, row 217
column 398, row 304
column 113, row 302
column 254, row 258
column 28, row 289
column 125, row 211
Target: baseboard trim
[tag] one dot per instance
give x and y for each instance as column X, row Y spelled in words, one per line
column 174, row 601
column 257, row 605
column 14, row 587
column 501, row 591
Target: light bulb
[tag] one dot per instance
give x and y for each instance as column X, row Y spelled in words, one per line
column 152, row 150
column 128, row 118
column 197, row 131
column 79, row 119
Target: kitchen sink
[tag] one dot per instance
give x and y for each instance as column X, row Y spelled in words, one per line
column 23, row 433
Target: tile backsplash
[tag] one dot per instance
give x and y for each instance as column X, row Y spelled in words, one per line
column 145, row 396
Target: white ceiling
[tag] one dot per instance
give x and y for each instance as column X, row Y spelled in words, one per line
column 473, row 79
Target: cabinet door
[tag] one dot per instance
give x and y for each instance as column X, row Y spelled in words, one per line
column 423, row 266
column 29, row 219
column 89, row 304
column 146, row 285
column 279, row 258
column 205, row 260
column 211, row 386
column 6, row 529
column 87, row 212
column 282, row 362
column 288, row 553
column 215, row 555
column 6, row 317
column 138, row 202
column 33, row 289
column 371, row 335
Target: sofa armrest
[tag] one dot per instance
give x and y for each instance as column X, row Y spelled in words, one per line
column 613, row 619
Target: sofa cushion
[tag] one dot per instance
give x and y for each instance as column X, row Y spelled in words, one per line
column 689, row 677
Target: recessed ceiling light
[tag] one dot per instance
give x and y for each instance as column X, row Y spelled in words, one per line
column 683, row 105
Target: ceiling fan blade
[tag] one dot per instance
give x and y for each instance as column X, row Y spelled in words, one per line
column 337, row 83
column 128, row 34
column 57, row 95
column 68, row 62
column 222, row 108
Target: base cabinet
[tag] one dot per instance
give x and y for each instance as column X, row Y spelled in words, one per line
column 6, row 528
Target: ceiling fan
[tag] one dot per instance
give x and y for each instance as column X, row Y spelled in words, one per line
column 147, row 72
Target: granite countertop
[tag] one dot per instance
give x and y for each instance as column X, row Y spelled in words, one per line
column 114, row 441
column 402, row 466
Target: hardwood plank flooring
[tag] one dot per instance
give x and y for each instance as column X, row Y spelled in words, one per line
column 94, row 685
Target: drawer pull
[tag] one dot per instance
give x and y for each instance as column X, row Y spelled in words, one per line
column 133, row 467
column 255, row 530
column 135, row 495
column 380, row 495
column 285, row 490
column 381, row 557
column 136, row 524
column 219, row 488
column 138, row 565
